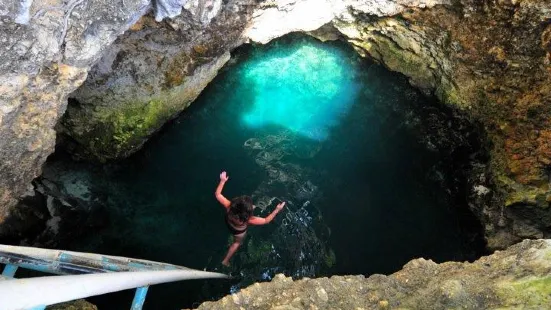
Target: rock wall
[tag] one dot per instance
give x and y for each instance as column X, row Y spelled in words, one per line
column 47, row 49
column 153, row 72
column 80, row 304
column 516, row 278
column 491, row 60
column 148, row 76
column 275, row 18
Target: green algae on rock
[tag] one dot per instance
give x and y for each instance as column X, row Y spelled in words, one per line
column 43, row 60
column 533, row 292
column 516, row 277
column 117, row 130
column 146, row 78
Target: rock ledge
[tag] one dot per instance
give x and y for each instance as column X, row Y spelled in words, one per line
column 517, row 277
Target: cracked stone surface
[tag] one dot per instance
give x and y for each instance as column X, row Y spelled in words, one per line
column 517, row 277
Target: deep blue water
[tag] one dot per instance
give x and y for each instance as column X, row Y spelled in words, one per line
column 338, row 137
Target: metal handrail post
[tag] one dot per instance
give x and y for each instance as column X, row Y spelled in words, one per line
column 139, row 298
column 32, row 292
column 9, row 271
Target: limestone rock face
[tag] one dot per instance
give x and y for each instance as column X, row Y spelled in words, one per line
column 156, row 70
column 276, row 18
column 148, row 76
column 490, row 59
column 46, row 47
column 517, row 277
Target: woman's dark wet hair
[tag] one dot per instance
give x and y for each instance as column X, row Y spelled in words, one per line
column 241, row 208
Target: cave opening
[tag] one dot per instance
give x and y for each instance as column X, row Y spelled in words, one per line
column 374, row 174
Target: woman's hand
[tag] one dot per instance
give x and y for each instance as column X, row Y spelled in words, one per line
column 224, row 177
column 280, row 206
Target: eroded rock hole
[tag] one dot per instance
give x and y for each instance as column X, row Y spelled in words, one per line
column 374, row 172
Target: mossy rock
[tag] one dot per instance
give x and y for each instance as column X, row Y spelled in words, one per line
column 523, row 194
column 108, row 126
column 130, row 127
column 116, row 133
column 530, row 293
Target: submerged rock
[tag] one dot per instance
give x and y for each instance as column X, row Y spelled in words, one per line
column 517, row 277
column 62, row 205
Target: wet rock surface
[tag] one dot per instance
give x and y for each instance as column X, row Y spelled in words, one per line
column 517, row 277
column 59, row 206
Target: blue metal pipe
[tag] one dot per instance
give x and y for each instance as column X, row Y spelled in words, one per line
column 27, row 293
column 88, row 262
column 114, row 264
column 9, row 271
column 139, row 298
column 105, row 274
column 47, row 266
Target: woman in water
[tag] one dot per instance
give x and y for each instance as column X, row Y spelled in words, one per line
column 239, row 215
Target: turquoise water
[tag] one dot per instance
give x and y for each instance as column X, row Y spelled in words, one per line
column 348, row 145
column 304, row 89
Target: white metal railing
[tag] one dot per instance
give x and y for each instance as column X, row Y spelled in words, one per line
column 81, row 275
